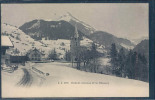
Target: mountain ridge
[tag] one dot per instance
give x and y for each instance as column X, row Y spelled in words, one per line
column 105, row 38
column 143, row 48
column 64, row 28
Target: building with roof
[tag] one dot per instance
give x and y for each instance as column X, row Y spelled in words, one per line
column 35, row 55
column 5, row 44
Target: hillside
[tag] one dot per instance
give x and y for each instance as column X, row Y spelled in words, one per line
column 137, row 41
column 53, row 30
column 23, row 42
column 72, row 83
column 47, row 35
column 107, row 39
column 104, row 38
column 50, row 30
column 143, row 48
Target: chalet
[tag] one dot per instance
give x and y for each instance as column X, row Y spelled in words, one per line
column 18, row 59
column 5, row 44
column 35, row 55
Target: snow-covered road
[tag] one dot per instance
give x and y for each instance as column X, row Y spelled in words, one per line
column 26, row 80
column 64, row 81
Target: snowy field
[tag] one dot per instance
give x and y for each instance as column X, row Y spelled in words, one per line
column 64, row 81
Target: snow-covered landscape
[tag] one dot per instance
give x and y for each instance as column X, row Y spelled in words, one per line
column 62, row 77
column 64, row 81
column 64, row 56
column 24, row 42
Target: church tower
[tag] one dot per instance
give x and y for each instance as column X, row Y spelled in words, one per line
column 75, row 47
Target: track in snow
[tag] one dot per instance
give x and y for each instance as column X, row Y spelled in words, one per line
column 26, row 79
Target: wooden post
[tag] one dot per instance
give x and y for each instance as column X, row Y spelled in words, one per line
column 72, row 62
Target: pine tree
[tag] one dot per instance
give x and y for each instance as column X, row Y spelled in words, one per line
column 128, row 65
column 144, row 60
column 16, row 51
column 113, row 55
column 85, row 57
column 68, row 56
column 94, row 55
column 121, row 63
column 93, row 51
column 53, row 55
column 136, row 66
column 143, row 68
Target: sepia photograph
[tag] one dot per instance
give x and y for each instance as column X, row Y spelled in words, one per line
column 74, row 50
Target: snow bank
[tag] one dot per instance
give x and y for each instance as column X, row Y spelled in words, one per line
column 64, row 81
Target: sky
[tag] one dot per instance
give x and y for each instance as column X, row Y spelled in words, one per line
column 127, row 20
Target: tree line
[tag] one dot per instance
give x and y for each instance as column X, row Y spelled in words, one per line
column 127, row 64
column 131, row 64
column 87, row 58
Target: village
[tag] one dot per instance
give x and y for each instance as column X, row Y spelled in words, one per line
column 35, row 70
column 73, row 52
column 74, row 58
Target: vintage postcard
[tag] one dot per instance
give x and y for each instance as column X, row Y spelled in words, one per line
column 75, row 50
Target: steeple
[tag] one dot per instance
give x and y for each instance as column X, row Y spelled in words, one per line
column 75, row 48
column 76, row 35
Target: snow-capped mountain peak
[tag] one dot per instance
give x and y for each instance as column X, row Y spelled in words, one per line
column 67, row 17
column 73, row 20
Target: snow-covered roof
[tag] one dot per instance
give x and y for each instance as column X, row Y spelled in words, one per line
column 6, row 41
column 35, row 49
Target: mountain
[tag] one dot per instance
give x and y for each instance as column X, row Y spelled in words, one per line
column 143, row 48
column 136, row 41
column 81, row 26
column 50, row 30
column 107, row 39
column 24, row 42
column 64, row 27
column 53, row 30
column 101, row 37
